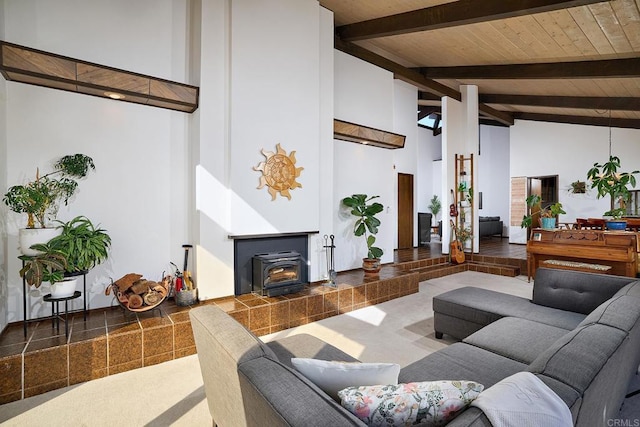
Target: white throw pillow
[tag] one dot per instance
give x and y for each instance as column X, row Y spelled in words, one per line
column 331, row 377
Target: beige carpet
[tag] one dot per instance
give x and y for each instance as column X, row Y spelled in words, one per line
column 172, row 393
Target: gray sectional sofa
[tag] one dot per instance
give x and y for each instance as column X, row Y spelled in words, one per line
column 580, row 334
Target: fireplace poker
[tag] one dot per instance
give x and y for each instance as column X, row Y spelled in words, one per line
column 332, row 273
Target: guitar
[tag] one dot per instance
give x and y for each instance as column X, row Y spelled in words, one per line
column 453, row 207
column 456, row 252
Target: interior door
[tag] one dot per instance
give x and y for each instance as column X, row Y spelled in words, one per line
column 535, row 187
column 405, row 211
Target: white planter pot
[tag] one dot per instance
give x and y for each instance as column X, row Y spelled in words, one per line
column 65, row 288
column 30, row 236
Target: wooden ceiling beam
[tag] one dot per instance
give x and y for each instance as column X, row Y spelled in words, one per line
column 580, row 120
column 608, row 68
column 586, row 102
column 447, row 15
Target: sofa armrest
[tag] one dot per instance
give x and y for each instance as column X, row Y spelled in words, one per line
column 575, row 291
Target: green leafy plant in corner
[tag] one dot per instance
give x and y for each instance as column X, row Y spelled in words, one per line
column 435, row 206
column 365, row 213
column 41, row 198
column 83, row 244
column 48, row 266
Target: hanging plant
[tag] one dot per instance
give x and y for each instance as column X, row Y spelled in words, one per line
column 578, row 187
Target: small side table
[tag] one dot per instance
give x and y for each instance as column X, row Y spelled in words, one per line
column 55, row 313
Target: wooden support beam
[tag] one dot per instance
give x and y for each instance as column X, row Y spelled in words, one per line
column 497, row 115
column 446, row 15
column 608, row 68
column 586, row 102
column 580, row 120
column 402, row 73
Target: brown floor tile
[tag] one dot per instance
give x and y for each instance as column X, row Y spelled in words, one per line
column 315, row 305
column 345, row 298
column 10, row 397
column 331, row 301
column 124, row 348
column 87, row 360
column 280, row 314
column 158, row 358
column 116, row 369
column 11, row 350
column 182, row 316
column 157, row 341
column 297, row 309
column 13, row 334
column 187, row 351
column 10, row 374
column 45, row 366
column 182, row 336
column 43, row 388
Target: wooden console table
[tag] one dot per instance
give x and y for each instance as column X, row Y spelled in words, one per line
column 597, row 251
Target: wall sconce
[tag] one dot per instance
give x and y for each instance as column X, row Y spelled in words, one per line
column 365, row 135
column 31, row 66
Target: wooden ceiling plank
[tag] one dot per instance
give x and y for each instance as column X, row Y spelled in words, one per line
column 587, row 102
column 461, row 12
column 608, row 21
column 400, row 72
column 628, row 12
column 608, row 68
column 555, row 32
column 592, row 31
column 581, row 43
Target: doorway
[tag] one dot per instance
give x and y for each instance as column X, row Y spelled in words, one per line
column 405, row 211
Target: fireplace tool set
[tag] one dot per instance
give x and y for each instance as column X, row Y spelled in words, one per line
column 331, row 272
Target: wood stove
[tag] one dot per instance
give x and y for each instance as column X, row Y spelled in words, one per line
column 277, row 273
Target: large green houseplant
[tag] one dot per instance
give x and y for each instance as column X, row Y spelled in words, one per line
column 606, row 180
column 40, row 199
column 366, row 221
column 48, row 265
column 83, row 244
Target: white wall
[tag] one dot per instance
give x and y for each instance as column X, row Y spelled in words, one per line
column 429, row 181
column 137, row 190
column 569, row 151
column 363, row 94
column 493, row 173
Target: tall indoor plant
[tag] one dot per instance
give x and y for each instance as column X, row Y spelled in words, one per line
column 40, row 199
column 606, row 179
column 83, row 244
column 366, row 221
column 547, row 215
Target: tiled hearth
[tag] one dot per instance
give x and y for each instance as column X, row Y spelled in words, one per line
column 112, row 341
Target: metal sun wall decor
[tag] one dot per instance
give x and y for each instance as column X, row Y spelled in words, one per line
column 279, row 172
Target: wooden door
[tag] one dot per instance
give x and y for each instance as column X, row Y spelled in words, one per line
column 405, row 211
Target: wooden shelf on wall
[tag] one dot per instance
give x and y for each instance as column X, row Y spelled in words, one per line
column 365, row 135
column 31, row 66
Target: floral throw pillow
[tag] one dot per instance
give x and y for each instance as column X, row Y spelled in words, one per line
column 432, row 403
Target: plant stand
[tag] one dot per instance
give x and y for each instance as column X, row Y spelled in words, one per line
column 25, row 320
column 55, row 314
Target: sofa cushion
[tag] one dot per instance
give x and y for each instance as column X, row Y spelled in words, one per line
column 483, row 307
column 574, row 291
column 270, row 390
column 332, row 376
column 619, row 312
column 428, row 403
column 518, row 339
column 578, row 356
column 308, row 346
column 632, row 290
column 461, row 360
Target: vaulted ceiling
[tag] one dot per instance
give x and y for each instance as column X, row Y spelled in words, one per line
column 556, row 61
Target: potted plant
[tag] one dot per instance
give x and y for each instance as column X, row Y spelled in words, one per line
column 435, row 206
column 41, row 198
column 84, row 245
column 48, row 265
column 547, row 215
column 366, row 212
column 463, row 234
column 578, row 187
column 606, row 179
